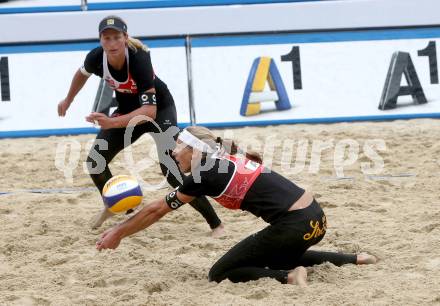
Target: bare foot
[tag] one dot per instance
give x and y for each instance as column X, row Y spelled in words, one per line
column 298, row 276
column 365, row 259
column 218, row 231
column 103, row 215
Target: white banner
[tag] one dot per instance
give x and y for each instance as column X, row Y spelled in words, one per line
column 38, row 81
column 206, row 20
column 339, row 80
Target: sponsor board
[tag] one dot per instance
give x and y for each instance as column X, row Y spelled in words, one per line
column 245, row 80
column 325, row 81
column 34, row 83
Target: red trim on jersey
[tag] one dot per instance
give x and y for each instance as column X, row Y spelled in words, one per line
column 129, row 86
column 245, row 174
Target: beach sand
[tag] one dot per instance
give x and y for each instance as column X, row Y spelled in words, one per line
column 48, row 255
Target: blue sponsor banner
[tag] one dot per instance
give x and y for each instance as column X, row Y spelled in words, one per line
column 81, row 46
column 123, row 5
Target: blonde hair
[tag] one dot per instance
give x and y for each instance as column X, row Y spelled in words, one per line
column 135, row 44
column 230, row 146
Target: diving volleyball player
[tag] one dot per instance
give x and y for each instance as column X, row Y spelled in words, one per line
column 240, row 181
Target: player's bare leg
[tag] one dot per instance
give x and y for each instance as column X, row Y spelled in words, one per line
column 100, row 218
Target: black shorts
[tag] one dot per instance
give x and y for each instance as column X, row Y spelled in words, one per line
column 273, row 250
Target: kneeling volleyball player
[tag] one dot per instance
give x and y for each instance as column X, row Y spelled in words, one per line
column 279, row 251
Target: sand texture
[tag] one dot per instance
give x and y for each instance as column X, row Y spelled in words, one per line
column 47, row 249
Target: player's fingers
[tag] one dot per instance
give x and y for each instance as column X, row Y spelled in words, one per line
column 98, row 246
column 98, row 116
column 60, row 111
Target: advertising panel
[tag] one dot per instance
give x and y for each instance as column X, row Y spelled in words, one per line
column 34, row 80
column 323, row 77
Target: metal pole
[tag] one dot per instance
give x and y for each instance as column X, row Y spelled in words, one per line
column 192, row 113
column 84, row 5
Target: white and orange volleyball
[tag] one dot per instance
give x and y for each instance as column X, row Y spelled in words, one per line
column 121, row 193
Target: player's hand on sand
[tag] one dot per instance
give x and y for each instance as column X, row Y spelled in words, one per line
column 100, row 119
column 110, row 239
column 63, row 106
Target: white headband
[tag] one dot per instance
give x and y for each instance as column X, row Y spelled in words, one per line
column 192, row 141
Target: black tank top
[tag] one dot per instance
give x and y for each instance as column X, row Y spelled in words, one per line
column 270, row 196
column 139, row 70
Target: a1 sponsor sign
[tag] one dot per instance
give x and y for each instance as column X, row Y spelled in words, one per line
column 324, row 81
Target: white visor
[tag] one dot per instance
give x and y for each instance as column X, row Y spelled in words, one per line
column 192, row 141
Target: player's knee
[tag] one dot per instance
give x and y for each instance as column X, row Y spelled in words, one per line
column 215, row 274
column 90, row 163
column 95, row 166
column 171, row 179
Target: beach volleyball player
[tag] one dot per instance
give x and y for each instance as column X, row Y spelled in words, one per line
column 279, row 251
column 125, row 64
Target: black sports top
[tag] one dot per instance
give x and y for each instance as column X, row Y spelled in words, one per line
column 130, row 82
column 269, row 197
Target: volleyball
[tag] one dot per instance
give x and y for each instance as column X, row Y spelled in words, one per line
column 121, row 193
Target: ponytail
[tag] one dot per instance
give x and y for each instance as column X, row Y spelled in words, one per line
column 229, row 145
column 254, row 156
column 232, row 148
column 135, row 44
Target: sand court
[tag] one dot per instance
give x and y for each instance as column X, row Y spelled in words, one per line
column 47, row 249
